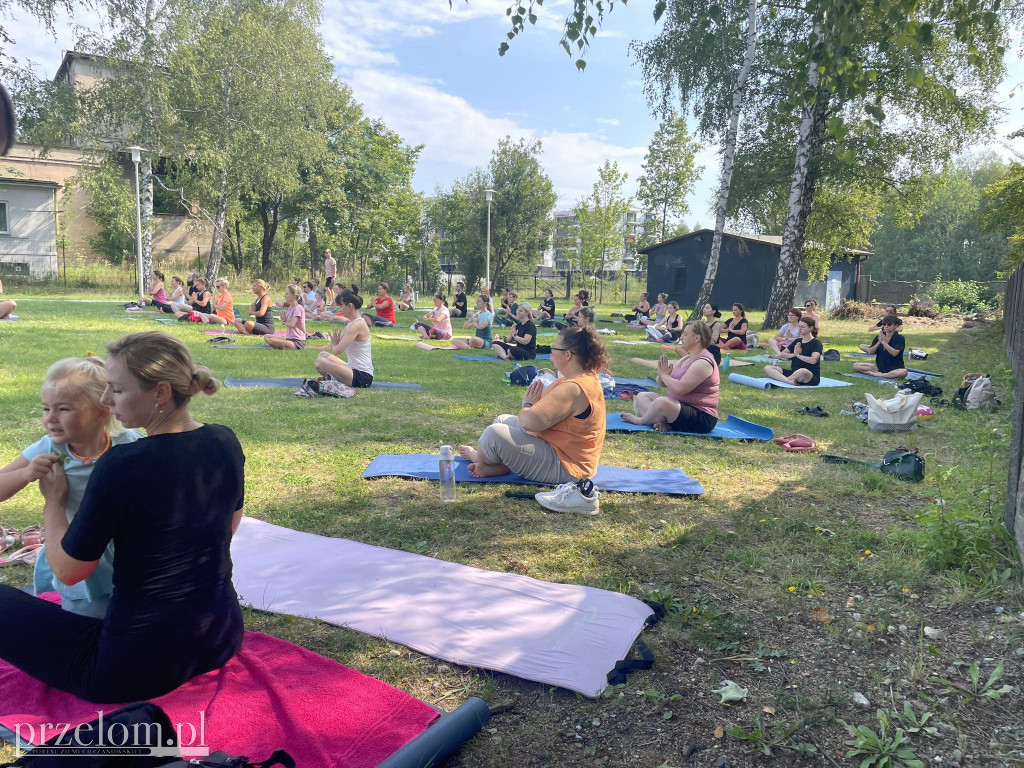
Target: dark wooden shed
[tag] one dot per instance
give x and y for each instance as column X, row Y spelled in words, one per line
column 746, row 271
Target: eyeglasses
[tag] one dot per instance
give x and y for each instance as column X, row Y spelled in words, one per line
column 559, row 349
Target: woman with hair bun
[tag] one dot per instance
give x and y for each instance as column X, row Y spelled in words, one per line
column 558, row 434
column 174, row 613
column 353, row 342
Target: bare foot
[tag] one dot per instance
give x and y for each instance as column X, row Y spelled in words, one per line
column 469, row 453
column 630, row 418
column 480, row 469
column 660, row 426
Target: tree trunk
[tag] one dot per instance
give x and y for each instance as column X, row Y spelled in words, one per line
column 812, row 123
column 219, row 222
column 238, row 239
column 728, row 157
column 146, row 196
column 270, row 215
column 314, row 245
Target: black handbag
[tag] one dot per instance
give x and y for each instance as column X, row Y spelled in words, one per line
column 900, row 463
column 224, row 760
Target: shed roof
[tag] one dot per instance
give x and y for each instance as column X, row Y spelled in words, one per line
column 750, row 237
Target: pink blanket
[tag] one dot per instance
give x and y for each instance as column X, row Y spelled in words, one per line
column 272, row 695
column 236, row 333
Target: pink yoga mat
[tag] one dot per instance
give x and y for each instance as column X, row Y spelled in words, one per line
column 236, row 333
column 272, row 695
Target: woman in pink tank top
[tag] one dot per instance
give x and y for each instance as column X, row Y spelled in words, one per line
column 691, row 404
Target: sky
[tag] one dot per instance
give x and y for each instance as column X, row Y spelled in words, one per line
column 433, row 74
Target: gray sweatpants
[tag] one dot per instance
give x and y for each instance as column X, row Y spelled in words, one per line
column 506, row 441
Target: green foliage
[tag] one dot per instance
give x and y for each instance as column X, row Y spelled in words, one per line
column 883, row 748
column 1004, row 215
column 45, row 108
column 963, row 529
column 934, row 225
column 112, row 207
column 599, row 231
column 458, row 217
column 913, row 722
column 765, row 738
column 972, row 686
column 963, row 296
column 669, row 174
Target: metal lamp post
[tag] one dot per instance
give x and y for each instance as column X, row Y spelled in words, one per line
column 489, row 193
column 136, row 159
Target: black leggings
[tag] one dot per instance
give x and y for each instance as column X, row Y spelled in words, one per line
column 74, row 654
column 517, row 352
column 163, row 307
column 262, row 329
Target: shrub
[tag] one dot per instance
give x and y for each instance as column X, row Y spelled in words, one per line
column 961, row 296
column 852, row 310
column 920, row 307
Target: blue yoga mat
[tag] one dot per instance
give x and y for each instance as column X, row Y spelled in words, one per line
column 766, row 384
column 492, row 359
column 648, row 382
column 231, row 381
column 423, row 466
column 733, row 428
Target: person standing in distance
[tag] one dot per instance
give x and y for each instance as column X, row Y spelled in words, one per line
column 330, row 268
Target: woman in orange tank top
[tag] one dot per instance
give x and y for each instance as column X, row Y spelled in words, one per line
column 558, row 434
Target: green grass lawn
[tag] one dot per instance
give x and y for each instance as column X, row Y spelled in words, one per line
column 802, row 581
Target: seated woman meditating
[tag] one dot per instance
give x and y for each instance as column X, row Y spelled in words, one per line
column 658, row 311
column 199, row 301
column 480, row 320
column 353, row 342
column 521, row 344
column 179, row 296
column 887, row 347
column 788, row 333
column 805, row 353
column 811, row 311
column 691, row 404
column 572, row 317
column 710, row 316
column 407, row 298
column 558, row 434
column 669, row 329
column 223, row 305
column 735, row 329
column 294, row 319
column 158, row 296
column 546, row 312
column 436, row 324
column 384, row 306
column 173, row 614
column 640, row 310
column 261, row 311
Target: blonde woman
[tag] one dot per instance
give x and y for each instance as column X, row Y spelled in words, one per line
column 174, row 614
column 261, row 311
column 223, row 305
column 407, row 298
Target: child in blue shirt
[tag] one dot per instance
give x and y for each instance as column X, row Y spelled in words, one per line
column 79, row 429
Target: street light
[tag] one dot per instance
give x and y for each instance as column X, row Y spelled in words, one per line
column 489, row 193
column 137, row 158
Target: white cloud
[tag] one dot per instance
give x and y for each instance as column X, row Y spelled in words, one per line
column 609, row 120
column 458, row 136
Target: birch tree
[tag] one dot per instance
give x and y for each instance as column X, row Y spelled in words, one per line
column 669, row 173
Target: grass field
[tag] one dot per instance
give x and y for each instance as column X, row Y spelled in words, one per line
column 804, row 582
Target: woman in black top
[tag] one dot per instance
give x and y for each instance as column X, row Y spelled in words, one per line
column 199, row 300
column 736, row 329
column 547, row 307
column 805, row 353
column 459, row 305
column 262, row 312
column 174, row 613
column 521, row 344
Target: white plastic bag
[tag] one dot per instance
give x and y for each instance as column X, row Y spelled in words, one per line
column 980, row 394
column 896, row 414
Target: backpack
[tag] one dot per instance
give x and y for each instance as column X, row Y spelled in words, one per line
column 523, row 375
column 831, row 355
column 980, row 394
column 923, row 386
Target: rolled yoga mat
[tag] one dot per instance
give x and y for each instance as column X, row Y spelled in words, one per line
column 557, row 634
column 231, row 381
column 492, row 359
column 766, row 384
column 733, row 428
column 423, row 466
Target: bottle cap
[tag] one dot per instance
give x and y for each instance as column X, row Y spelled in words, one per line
column 446, row 453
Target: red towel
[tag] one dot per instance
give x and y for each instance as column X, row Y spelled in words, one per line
column 272, row 695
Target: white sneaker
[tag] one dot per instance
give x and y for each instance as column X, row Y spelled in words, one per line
column 567, row 497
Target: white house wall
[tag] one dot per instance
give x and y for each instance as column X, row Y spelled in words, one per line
column 32, row 229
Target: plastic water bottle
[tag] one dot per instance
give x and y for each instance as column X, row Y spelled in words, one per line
column 446, row 473
column 725, row 363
